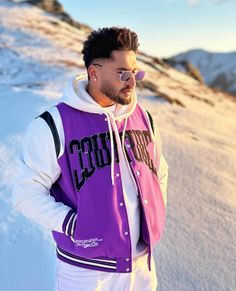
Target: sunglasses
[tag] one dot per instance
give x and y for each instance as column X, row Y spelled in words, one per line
column 126, row 75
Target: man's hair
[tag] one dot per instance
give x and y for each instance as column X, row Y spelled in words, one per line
column 102, row 42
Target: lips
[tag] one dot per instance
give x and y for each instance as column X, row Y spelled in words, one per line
column 126, row 91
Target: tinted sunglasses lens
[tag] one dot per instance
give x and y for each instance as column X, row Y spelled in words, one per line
column 125, row 76
column 139, row 75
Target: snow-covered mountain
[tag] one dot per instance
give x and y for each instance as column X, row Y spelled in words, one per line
column 218, row 69
column 38, row 54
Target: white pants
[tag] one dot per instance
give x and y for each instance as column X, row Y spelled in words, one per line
column 72, row 278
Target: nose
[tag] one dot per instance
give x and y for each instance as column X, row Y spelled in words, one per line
column 131, row 82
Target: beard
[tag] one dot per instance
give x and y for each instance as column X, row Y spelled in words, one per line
column 114, row 95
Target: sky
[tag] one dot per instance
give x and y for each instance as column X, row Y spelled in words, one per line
column 165, row 27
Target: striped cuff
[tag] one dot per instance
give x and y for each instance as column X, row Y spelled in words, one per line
column 69, row 223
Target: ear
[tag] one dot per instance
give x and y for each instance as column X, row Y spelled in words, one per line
column 92, row 73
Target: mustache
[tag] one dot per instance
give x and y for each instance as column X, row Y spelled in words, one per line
column 127, row 88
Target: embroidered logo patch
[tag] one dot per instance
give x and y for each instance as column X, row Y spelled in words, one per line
column 88, row 243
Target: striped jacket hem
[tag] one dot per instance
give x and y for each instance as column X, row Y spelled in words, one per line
column 95, row 264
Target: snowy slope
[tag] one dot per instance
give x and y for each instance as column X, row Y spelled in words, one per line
column 217, row 69
column 38, row 53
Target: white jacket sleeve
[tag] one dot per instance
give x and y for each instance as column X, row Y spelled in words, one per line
column 162, row 171
column 37, row 171
column 163, row 177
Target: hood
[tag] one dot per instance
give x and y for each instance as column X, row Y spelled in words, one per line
column 76, row 96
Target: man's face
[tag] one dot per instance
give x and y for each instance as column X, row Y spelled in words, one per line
column 110, row 85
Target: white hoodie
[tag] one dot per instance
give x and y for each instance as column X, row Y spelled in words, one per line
column 38, row 167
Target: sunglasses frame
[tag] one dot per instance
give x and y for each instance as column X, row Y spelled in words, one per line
column 120, row 74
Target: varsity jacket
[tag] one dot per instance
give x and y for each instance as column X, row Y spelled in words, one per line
column 86, row 193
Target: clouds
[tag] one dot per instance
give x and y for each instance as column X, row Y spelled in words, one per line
column 198, row 2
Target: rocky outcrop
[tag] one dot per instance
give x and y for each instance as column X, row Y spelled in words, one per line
column 55, row 8
column 186, row 67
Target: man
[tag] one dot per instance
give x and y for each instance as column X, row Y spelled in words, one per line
column 93, row 172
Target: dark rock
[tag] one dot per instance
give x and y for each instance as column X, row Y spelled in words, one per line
column 55, row 8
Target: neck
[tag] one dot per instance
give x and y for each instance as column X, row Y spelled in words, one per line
column 98, row 97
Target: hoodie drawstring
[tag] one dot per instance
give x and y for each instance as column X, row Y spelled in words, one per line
column 123, row 134
column 112, row 141
column 112, row 147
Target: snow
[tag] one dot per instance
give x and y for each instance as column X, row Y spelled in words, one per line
column 197, row 250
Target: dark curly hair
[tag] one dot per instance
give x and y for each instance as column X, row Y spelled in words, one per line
column 102, row 42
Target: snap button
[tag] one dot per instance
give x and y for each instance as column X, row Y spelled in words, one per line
column 127, row 259
column 127, row 269
column 106, row 119
column 117, row 174
column 126, row 233
column 121, row 204
column 128, row 146
column 145, row 201
column 138, row 173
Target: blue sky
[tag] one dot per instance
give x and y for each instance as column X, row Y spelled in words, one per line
column 165, row 27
